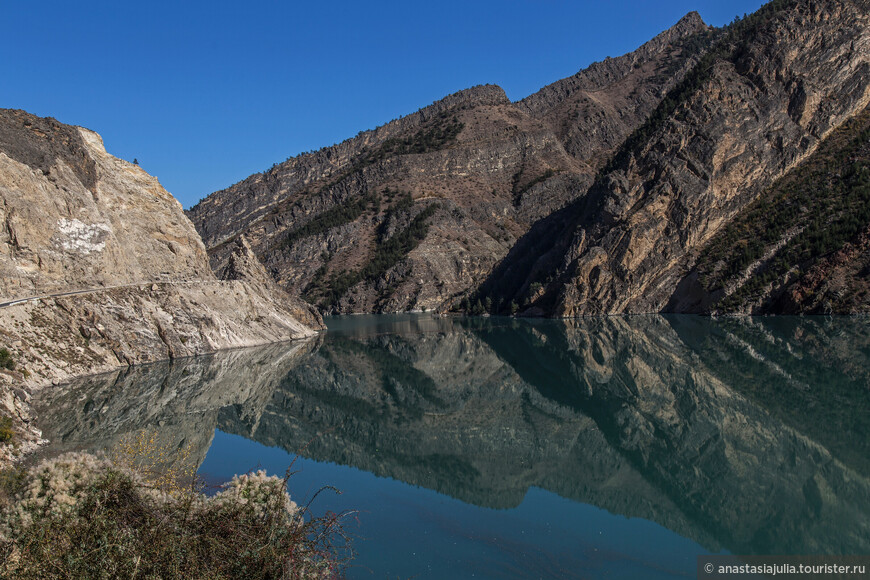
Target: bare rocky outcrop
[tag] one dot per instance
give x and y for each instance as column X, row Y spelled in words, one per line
column 242, row 264
column 100, row 269
column 332, row 225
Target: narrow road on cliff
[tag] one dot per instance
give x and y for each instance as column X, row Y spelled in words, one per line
column 94, row 290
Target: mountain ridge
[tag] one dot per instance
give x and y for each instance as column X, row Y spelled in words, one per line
column 594, row 195
column 493, row 167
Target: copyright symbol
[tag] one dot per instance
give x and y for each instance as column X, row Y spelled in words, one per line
column 708, row 568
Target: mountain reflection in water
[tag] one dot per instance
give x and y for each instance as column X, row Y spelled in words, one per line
column 747, row 435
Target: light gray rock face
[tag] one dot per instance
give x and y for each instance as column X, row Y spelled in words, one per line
column 491, row 168
column 76, row 217
column 117, row 273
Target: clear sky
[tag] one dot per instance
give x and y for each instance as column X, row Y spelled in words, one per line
column 204, row 94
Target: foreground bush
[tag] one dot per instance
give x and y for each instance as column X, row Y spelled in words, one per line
column 83, row 516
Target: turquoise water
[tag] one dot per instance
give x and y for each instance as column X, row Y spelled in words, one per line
column 619, row 447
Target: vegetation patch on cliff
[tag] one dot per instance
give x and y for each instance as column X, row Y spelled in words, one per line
column 388, row 252
column 431, row 138
column 6, row 360
column 7, row 430
column 334, row 217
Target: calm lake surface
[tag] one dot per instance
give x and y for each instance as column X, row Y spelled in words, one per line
column 618, row 447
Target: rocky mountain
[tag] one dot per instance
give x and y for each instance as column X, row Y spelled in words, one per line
column 101, row 268
column 598, row 194
column 416, row 213
column 771, row 88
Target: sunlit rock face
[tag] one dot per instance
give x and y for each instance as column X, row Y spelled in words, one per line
column 122, row 274
column 76, row 218
column 699, row 425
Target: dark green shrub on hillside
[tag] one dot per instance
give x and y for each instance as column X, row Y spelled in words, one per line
column 6, row 430
column 334, row 217
column 6, row 361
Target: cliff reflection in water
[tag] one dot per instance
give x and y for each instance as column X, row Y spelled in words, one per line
column 749, row 435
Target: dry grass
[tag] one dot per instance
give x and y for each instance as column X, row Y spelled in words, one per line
column 160, row 465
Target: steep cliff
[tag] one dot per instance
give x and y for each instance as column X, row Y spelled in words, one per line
column 416, row 213
column 759, row 102
column 101, row 268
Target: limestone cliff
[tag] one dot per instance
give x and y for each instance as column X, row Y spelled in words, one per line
column 101, row 268
column 416, row 213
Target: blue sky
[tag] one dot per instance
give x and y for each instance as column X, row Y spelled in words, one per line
column 205, row 93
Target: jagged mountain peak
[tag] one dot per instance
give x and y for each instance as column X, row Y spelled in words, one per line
column 691, row 20
column 611, row 70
